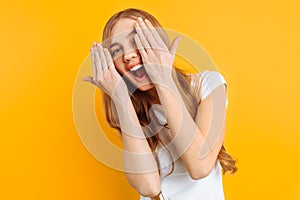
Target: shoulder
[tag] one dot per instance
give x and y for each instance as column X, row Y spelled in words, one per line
column 205, row 82
column 207, row 77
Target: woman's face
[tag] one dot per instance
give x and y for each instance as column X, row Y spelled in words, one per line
column 126, row 56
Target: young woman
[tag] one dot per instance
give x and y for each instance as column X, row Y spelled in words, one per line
column 171, row 124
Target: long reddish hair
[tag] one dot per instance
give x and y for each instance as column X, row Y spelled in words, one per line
column 142, row 101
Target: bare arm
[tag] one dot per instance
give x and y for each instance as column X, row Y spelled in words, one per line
column 199, row 141
column 139, row 158
column 139, row 163
column 197, row 145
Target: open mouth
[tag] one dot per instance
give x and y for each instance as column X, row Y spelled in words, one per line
column 138, row 71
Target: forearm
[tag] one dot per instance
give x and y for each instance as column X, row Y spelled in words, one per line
column 139, row 163
column 187, row 137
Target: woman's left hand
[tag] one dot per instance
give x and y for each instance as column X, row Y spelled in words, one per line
column 157, row 58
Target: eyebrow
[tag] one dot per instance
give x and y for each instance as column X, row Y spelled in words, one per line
column 128, row 35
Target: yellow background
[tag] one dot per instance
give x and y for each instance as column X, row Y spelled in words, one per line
column 255, row 44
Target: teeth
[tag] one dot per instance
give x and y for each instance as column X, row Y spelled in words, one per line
column 135, row 68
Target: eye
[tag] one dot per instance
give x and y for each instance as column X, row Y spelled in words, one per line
column 132, row 43
column 115, row 52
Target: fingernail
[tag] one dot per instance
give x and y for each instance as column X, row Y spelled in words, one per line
column 147, row 21
column 139, row 18
column 91, row 49
column 95, row 43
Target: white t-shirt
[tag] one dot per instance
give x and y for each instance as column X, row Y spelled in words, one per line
column 179, row 185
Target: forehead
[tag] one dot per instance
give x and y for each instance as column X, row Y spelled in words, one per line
column 121, row 29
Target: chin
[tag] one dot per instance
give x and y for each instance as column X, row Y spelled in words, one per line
column 146, row 87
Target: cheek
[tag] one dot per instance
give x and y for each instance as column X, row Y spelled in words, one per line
column 119, row 66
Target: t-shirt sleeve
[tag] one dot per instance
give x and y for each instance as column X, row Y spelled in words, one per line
column 208, row 81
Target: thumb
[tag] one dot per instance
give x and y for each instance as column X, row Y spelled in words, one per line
column 174, row 45
column 88, row 79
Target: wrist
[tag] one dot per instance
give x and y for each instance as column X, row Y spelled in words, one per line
column 167, row 87
column 120, row 97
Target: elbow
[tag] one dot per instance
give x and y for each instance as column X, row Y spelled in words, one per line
column 197, row 174
column 146, row 185
column 149, row 190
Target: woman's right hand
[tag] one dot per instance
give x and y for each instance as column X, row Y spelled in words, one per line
column 105, row 74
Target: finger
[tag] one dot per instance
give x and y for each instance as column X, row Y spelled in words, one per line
column 102, row 58
column 94, row 65
column 156, row 36
column 109, row 59
column 147, row 33
column 142, row 37
column 140, row 46
column 98, row 64
column 174, row 45
column 88, row 79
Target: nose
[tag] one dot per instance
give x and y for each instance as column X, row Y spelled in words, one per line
column 130, row 54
